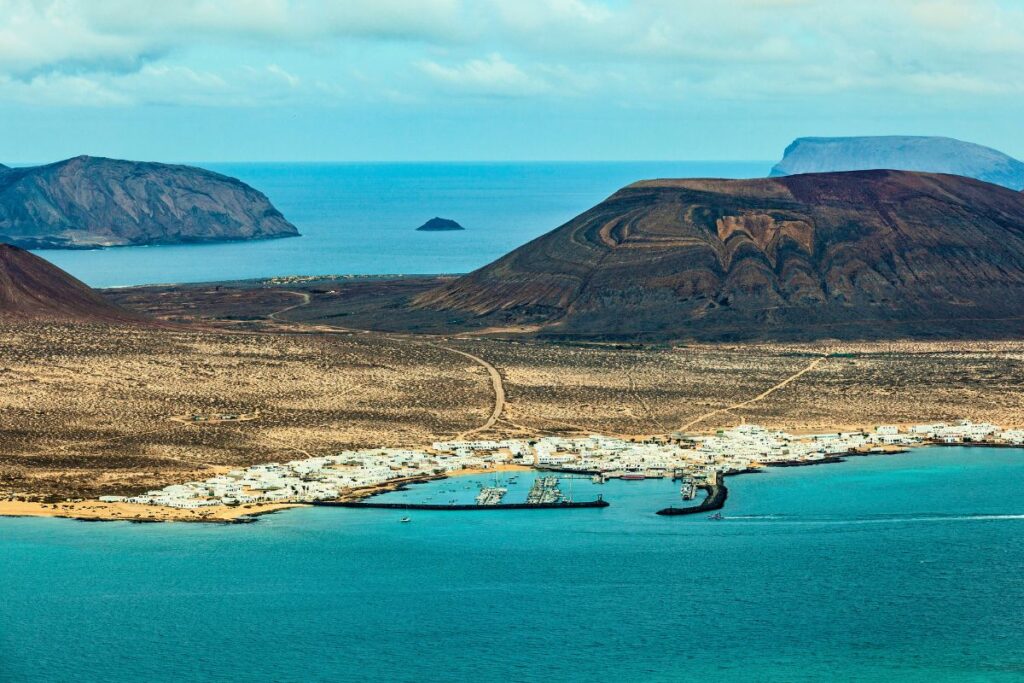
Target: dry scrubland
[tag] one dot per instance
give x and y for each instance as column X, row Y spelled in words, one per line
column 87, row 410
column 628, row 391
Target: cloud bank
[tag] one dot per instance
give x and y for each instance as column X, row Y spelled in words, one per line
column 260, row 52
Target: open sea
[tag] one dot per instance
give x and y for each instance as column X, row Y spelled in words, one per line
column 362, row 218
column 889, row 568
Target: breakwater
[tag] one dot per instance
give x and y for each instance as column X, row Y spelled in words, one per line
column 564, row 505
column 717, row 494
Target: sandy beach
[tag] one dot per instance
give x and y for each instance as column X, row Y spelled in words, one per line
column 110, row 512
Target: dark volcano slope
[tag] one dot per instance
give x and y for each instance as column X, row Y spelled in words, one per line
column 857, row 255
column 32, row 289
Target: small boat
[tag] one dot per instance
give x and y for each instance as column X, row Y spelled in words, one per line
column 405, row 519
column 716, row 517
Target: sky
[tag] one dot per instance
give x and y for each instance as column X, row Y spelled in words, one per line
column 499, row 80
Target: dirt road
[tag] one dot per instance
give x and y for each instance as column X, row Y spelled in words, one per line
column 764, row 394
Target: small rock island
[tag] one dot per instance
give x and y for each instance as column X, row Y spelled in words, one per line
column 437, row 224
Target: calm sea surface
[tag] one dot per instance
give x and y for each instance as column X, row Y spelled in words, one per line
column 362, row 218
column 901, row 568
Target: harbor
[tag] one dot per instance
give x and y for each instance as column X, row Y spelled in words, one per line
column 543, row 494
column 695, row 461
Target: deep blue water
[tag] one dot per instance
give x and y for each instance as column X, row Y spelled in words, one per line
column 361, row 218
column 902, row 568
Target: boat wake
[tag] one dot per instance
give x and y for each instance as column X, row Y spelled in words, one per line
column 874, row 519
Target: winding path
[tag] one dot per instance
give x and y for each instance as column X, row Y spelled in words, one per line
column 497, row 384
column 305, row 302
column 764, row 394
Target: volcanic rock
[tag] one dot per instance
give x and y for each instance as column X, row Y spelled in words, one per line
column 850, row 255
column 33, row 289
column 440, row 224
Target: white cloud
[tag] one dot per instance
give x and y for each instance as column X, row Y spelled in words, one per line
column 158, row 84
column 490, row 76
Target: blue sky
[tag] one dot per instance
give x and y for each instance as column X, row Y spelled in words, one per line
column 280, row 80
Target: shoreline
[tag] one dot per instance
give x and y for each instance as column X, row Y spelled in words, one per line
column 95, row 511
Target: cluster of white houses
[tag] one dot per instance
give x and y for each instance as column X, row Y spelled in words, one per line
column 746, row 446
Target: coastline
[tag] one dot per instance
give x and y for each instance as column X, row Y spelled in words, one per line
column 96, row 511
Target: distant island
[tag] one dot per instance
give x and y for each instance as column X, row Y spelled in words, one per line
column 91, row 202
column 437, row 224
column 901, row 153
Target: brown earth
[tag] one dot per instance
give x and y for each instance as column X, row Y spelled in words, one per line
column 87, row 410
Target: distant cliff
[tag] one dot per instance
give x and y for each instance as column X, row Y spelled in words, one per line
column 89, row 202
column 901, row 153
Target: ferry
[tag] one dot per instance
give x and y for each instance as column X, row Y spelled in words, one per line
column 633, row 477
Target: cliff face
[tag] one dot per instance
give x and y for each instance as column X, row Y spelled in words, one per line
column 870, row 253
column 34, row 289
column 90, row 202
column 902, row 153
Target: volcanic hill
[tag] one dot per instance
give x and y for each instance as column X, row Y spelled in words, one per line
column 901, row 153
column 866, row 254
column 33, row 289
column 89, row 202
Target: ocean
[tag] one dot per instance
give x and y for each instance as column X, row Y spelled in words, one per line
column 362, row 218
column 888, row 568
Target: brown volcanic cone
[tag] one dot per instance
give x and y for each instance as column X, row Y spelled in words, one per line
column 34, row 289
column 855, row 255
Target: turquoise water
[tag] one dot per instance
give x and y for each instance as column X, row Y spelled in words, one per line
column 902, row 568
column 362, row 218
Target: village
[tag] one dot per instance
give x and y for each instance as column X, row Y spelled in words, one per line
column 695, row 457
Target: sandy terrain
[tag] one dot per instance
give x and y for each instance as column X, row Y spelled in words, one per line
column 93, row 510
column 93, row 410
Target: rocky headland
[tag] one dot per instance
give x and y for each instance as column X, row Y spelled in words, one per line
column 90, row 202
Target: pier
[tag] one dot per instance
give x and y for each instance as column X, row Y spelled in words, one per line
column 544, row 492
column 491, row 496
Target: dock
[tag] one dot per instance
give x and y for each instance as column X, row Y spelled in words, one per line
column 491, row 495
column 544, row 491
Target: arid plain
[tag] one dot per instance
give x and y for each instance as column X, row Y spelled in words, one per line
column 252, row 373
